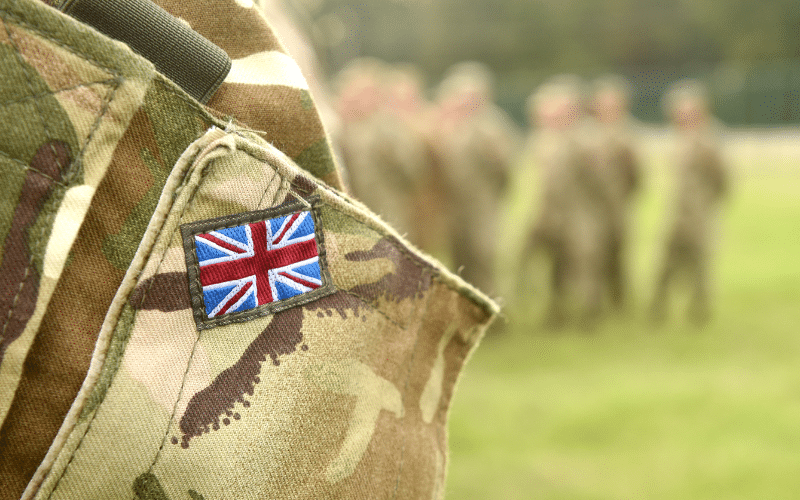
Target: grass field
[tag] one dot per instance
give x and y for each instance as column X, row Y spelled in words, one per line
column 628, row 411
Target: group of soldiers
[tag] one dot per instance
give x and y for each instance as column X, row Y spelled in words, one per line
column 437, row 170
column 590, row 173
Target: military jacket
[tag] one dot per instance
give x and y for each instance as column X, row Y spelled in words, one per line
column 190, row 307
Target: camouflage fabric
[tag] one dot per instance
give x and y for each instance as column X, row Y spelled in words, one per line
column 265, row 89
column 618, row 171
column 564, row 228
column 64, row 112
column 386, row 161
column 702, row 181
column 475, row 154
column 342, row 395
column 97, row 158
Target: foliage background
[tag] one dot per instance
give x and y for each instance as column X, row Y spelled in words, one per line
column 746, row 50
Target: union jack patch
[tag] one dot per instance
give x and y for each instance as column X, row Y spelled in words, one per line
column 254, row 264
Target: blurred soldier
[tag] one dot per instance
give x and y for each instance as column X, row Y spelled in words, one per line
column 412, row 126
column 615, row 163
column 357, row 102
column 380, row 142
column 476, row 145
column 406, row 127
column 559, row 230
column 701, row 183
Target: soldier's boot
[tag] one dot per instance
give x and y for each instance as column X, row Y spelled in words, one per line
column 194, row 313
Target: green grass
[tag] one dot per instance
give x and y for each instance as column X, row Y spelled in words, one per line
column 628, row 411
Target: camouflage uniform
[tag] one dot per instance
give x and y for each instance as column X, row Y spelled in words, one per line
column 409, row 131
column 476, row 145
column 701, row 182
column 112, row 382
column 617, row 167
column 384, row 153
column 569, row 228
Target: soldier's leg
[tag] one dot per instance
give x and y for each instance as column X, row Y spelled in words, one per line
column 615, row 273
column 699, row 306
column 471, row 256
column 659, row 306
column 592, row 291
column 532, row 245
column 559, row 279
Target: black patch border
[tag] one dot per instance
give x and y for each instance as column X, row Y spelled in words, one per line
column 192, row 229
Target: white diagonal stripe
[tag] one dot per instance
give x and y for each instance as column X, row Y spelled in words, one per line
column 267, row 68
column 237, row 244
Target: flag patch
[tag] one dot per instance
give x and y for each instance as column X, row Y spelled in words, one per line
column 254, row 264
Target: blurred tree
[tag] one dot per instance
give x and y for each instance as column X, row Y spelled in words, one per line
column 526, row 40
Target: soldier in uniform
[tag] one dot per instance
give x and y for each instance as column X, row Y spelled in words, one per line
column 615, row 162
column 701, row 182
column 380, row 142
column 411, row 117
column 557, row 111
column 476, row 144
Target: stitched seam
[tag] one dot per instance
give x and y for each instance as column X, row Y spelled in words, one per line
column 114, row 84
column 200, row 332
column 144, row 296
column 47, row 221
column 189, row 201
column 16, row 299
column 54, row 92
column 119, row 78
column 52, row 215
column 95, row 128
column 89, row 426
column 168, row 87
column 430, row 272
column 87, row 57
column 23, row 65
column 67, row 173
column 408, row 381
column 272, row 203
column 28, row 167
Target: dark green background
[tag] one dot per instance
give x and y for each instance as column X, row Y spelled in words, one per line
column 746, row 51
